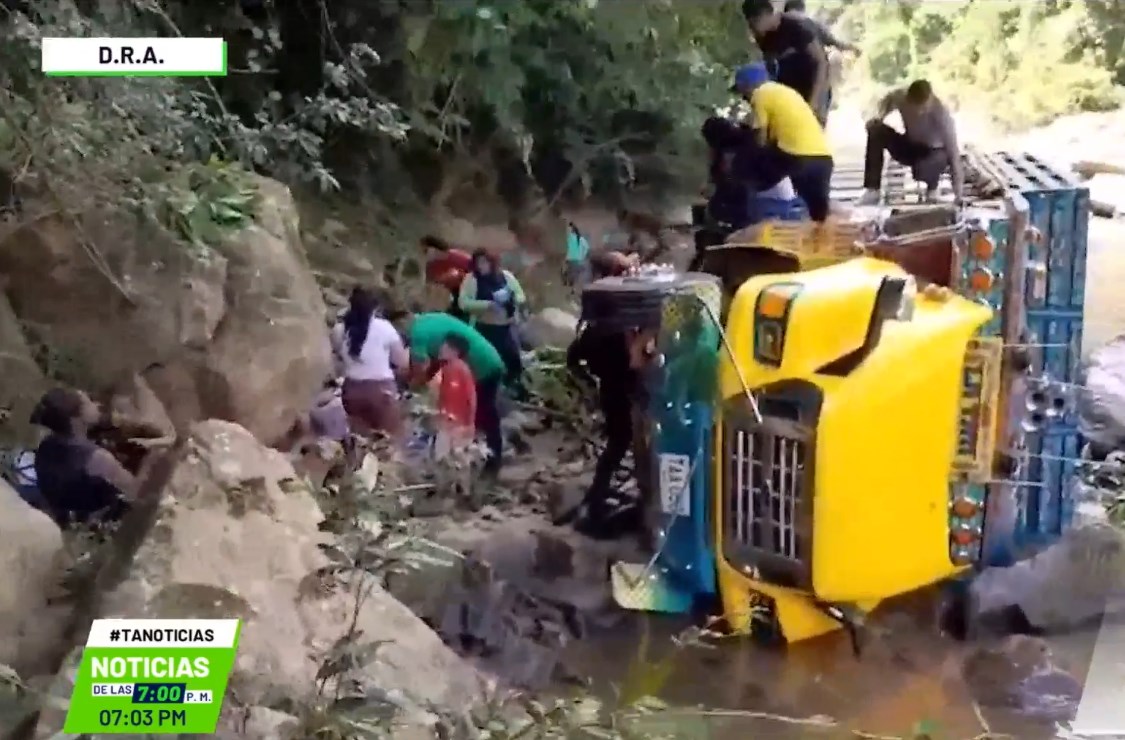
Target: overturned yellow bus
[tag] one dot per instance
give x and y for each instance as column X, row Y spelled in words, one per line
column 864, row 432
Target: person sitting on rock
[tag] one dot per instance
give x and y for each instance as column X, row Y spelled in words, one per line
column 426, row 334
column 372, row 354
column 447, row 267
column 83, row 484
column 493, row 297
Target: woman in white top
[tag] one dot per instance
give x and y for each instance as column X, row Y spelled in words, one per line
column 372, row 354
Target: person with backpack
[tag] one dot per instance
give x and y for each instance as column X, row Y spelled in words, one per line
column 491, row 298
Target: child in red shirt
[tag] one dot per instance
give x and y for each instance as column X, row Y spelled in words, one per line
column 457, row 393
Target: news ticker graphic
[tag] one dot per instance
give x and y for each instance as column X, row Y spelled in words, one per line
column 154, row 676
column 1101, row 710
column 134, row 57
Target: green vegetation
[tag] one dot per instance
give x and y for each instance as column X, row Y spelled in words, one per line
column 1025, row 63
column 405, row 102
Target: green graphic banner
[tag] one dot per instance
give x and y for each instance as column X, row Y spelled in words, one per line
column 153, row 676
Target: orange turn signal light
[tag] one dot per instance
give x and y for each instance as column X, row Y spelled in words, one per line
column 964, row 508
column 980, row 280
column 982, row 247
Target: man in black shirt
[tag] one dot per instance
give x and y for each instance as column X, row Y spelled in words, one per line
column 828, row 40
column 791, row 47
column 602, row 358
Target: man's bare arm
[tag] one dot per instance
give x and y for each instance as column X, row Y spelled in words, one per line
column 953, row 150
column 888, row 103
column 820, row 58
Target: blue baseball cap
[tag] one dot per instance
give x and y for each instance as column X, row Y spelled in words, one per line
column 749, row 76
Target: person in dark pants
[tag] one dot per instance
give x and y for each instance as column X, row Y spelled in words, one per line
column 603, row 359
column 928, row 144
column 789, row 44
column 492, row 297
column 790, row 142
column 425, row 334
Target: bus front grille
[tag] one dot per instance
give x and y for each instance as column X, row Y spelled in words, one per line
column 767, row 498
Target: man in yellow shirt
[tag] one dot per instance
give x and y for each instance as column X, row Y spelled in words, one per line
column 792, row 142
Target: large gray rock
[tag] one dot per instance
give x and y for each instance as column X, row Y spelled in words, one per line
column 237, row 536
column 552, row 327
column 1101, row 405
column 31, row 549
column 1067, row 585
column 23, row 382
column 234, row 332
column 1021, row 673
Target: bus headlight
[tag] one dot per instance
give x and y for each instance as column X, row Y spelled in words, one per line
column 771, row 319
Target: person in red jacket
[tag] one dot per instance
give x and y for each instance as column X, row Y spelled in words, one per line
column 447, row 267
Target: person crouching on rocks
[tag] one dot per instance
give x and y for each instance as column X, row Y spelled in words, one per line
column 426, row 335
column 372, row 355
column 82, row 484
column 492, row 297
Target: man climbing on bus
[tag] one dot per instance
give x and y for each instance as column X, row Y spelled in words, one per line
column 828, row 40
column 790, row 142
column 928, row 144
column 791, row 48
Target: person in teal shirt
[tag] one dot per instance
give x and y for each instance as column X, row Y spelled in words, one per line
column 577, row 258
column 425, row 333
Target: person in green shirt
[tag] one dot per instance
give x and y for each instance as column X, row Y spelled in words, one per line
column 425, row 333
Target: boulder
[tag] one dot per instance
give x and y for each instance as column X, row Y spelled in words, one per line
column 1070, row 584
column 237, row 536
column 31, row 549
column 23, row 382
column 235, row 332
column 256, row 723
column 1021, row 673
column 134, row 401
column 555, row 564
column 1101, row 404
column 552, row 327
